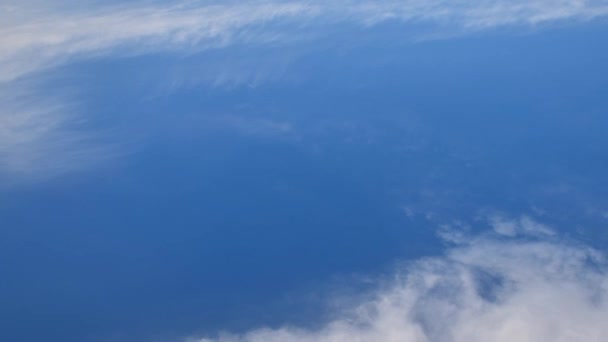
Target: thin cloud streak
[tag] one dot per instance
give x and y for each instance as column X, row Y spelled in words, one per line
column 41, row 138
column 488, row 289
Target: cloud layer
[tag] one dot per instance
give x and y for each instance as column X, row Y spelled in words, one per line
column 45, row 37
column 489, row 289
column 36, row 36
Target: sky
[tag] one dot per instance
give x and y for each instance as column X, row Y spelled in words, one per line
column 261, row 170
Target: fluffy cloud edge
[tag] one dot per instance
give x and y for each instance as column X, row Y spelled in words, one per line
column 491, row 288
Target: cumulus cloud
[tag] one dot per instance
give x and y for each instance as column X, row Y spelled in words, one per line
column 489, row 289
column 37, row 36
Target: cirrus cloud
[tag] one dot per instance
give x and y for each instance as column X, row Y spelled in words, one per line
column 36, row 36
column 46, row 37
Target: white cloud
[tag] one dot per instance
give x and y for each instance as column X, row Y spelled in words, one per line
column 44, row 37
column 38, row 35
column 48, row 39
column 486, row 290
column 517, row 227
column 43, row 139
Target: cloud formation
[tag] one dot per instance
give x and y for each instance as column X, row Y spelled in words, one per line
column 52, row 38
column 522, row 226
column 37, row 36
column 491, row 288
column 45, row 37
column 42, row 137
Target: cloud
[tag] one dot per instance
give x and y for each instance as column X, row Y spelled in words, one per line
column 489, row 289
column 45, row 37
column 48, row 39
column 256, row 126
column 38, row 36
column 522, row 226
column 41, row 138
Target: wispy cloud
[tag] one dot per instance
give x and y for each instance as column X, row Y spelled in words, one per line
column 46, row 37
column 37, row 36
column 42, row 137
column 521, row 226
column 488, row 289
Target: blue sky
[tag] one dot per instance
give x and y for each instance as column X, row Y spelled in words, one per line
column 303, row 171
